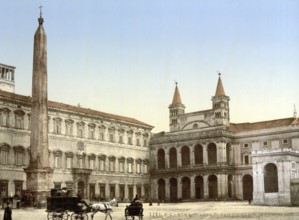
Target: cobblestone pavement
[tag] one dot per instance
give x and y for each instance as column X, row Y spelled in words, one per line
column 182, row 211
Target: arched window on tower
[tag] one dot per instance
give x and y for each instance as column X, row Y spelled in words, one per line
column 270, row 178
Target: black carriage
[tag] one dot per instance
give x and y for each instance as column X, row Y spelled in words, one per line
column 61, row 206
column 134, row 210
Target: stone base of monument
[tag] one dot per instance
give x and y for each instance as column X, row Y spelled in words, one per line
column 39, row 182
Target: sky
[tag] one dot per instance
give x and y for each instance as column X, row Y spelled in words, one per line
column 124, row 56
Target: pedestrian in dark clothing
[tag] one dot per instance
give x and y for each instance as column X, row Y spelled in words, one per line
column 7, row 213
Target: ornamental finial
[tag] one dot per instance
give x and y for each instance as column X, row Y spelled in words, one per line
column 40, row 19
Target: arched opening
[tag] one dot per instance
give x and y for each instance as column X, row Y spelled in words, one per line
column 230, row 186
column 270, row 178
column 161, row 190
column 161, row 159
column 186, row 193
column 185, row 156
column 228, row 157
column 199, row 190
column 172, row 158
column 247, row 187
column 213, row 192
column 81, row 189
column 212, row 154
column 198, row 154
column 173, row 184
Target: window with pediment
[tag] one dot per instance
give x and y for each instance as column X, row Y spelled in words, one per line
column 57, row 125
column 19, row 155
column 121, row 162
column 19, row 119
column 102, row 129
column 121, row 136
column 130, row 137
column 145, row 166
column 69, row 127
column 57, row 159
column 91, row 131
column 138, row 166
column 69, row 160
column 91, row 161
column 130, row 165
column 112, row 164
column 145, row 139
column 102, row 161
column 4, row 151
column 4, row 119
column 138, row 136
column 111, row 134
column 80, row 129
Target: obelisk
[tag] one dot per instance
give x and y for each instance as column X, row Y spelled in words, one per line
column 39, row 174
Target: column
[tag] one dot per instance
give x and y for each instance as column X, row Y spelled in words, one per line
column 179, row 187
column 116, row 190
column 167, row 190
column 179, row 157
column 107, row 190
column 166, row 158
column 192, row 159
column 192, row 180
column 206, row 186
column 205, row 154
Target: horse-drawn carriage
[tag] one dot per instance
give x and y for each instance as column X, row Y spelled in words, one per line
column 62, row 205
column 134, row 209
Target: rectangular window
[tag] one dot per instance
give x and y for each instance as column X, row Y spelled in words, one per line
column 130, row 140
column 80, row 132
column 145, row 168
column 138, row 141
column 130, row 167
column 111, row 166
column 111, row 138
column 91, row 164
column 138, row 168
column 19, row 158
column 102, row 167
column 80, row 162
column 121, row 166
column 102, row 136
column 285, row 141
column 120, row 139
column 245, row 145
column 68, row 162
column 57, row 161
column 246, row 159
column 145, row 143
column 4, row 155
column 265, row 143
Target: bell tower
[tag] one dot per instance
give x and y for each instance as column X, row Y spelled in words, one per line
column 175, row 109
column 221, row 104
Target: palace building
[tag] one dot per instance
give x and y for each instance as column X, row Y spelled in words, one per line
column 97, row 154
column 204, row 156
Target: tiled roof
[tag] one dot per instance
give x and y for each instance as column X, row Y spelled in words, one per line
column 66, row 107
column 262, row 125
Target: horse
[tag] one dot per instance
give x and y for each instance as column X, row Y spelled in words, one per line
column 105, row 207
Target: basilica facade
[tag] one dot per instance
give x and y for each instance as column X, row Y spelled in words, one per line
column 97, row 154
column 204, row 156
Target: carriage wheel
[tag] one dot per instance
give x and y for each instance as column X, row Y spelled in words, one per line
column 50, row 215
column 79, row 216
column 58, row 214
